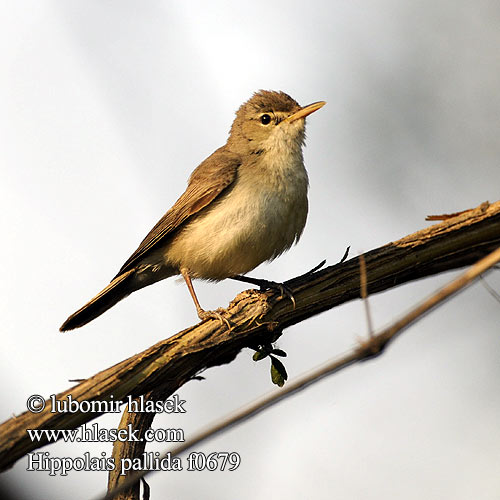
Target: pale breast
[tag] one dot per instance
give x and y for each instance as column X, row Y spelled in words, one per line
column 258, row 219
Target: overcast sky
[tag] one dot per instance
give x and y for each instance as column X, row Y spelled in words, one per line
column 106, row 109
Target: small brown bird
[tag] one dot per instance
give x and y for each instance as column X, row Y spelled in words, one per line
column 245, row 204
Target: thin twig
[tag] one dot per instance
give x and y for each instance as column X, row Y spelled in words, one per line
column 346, row 254
column 364, row 351
column 364, row 294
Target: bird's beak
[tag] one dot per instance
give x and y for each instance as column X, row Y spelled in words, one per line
column 305, row 111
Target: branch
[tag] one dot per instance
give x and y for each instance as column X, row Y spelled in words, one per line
column 372, row 347
column 140, row 422
column 259, row 318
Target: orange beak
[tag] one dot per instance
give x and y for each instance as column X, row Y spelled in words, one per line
column 305, row 111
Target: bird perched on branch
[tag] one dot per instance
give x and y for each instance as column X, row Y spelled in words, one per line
column 245, row 204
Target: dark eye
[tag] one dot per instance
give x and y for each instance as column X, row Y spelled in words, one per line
column 265, row 119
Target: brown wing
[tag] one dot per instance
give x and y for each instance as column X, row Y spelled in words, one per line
column 209, row 179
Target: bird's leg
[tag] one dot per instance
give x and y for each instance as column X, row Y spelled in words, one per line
column 202, row 314
column 281, row 287
column 266, row 284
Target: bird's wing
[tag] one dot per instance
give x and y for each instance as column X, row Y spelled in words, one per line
column 210, row 178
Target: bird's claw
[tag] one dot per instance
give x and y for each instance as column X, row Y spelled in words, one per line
column 284, row 290
column 204, row 315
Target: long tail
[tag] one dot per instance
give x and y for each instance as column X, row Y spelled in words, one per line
column 117, row 290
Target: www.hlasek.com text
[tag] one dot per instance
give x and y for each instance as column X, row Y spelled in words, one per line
column 96, row 434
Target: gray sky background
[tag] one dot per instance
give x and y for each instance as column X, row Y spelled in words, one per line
column 106, row 109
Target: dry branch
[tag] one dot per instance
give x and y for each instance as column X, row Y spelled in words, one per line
column 373, row 346
column 259, row 318
column 140, row 421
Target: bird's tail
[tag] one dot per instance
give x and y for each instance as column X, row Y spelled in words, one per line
column 117, row 290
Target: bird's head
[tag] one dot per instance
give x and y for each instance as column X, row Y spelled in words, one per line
column 270, row 120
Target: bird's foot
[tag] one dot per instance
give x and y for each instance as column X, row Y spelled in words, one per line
column 284, row 290
column 217, row 314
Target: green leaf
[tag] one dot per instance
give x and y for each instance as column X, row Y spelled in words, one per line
column 258, row 355
column 279, row 352
column 276, row 377
column 278, row 372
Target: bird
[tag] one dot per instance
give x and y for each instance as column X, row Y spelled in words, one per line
column 244, row 205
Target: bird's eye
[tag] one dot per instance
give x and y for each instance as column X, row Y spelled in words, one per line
column 265, row 119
